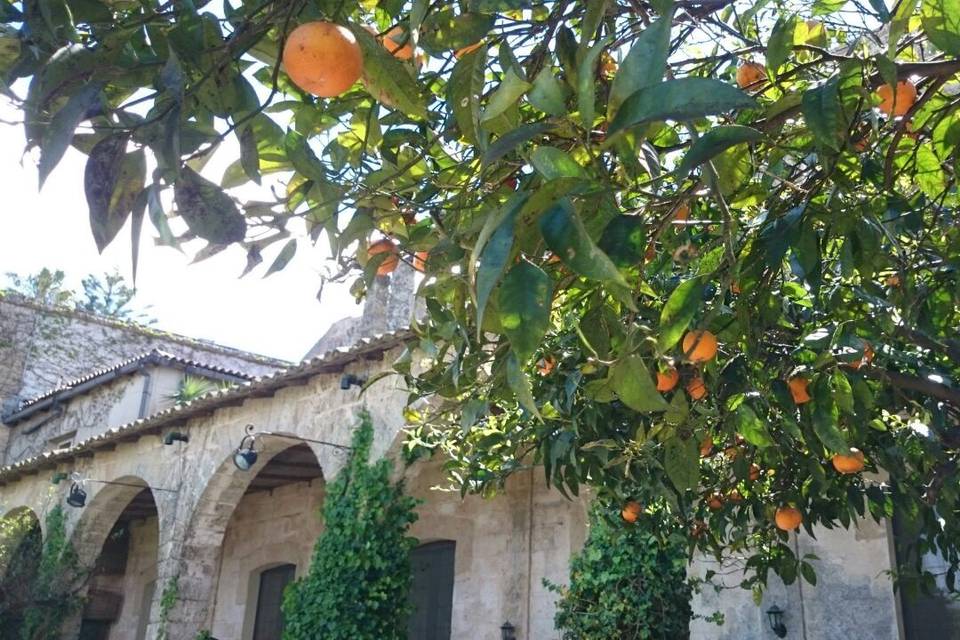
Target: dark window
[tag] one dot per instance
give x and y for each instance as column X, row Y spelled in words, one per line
column 431, row 594
column 925, row 615
column 269, row 621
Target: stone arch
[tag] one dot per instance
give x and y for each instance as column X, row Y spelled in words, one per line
column 105, row 503
column 206, row 530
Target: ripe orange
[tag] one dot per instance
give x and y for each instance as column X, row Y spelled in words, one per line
column 706, row 445
column 667, row 380
column 734, row 496
column 389, row 263
column 715, row 502
column 420, row 261
column 735, row 288
column 788, row 518
column 651, row 251
column 851, row 462
column 545, row 365
column 698, row 529
column 696, row 388
column 798, row 389
column 754, row 473
column 322, row 58
column 682, row 212
column 732, row 453
column 892, row 281
column 397, row 41
column 867, row 357
column 749, row 74
column 631, row 511
column 699, row 345
column 459, row 53
column 899, row 104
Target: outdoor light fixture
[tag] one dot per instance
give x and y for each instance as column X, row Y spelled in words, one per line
column 508, row 631
column 175, row 436
column 246, row 455
column 775, row 614
column 348, row 380
column 77, row 497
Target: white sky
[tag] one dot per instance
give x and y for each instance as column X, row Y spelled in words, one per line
column 277, row 316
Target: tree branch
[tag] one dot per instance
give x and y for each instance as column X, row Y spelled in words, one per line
column 913, row 383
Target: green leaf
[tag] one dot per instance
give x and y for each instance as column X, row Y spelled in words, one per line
column 249, row 156
column 821, row 111
column 826, row 418
column 843, row 393
column 159, row 219
column 283, row 258
column 625, row 240
column 679, row 311
column 826, row 7
column 781, row 42
column 524, row 304
column 548, row 94
column 100, row 179
column 681, row 460
column 930, row 175
column 463, row 93
column 586, row 82
column 495, row 254
column 941, row 22
column 714, row 142
column 387, row 78
column 510, row 90
column 554, row 163
column 565, row 235
column 519, row 383
column 510, row 141
column 751, row 427
column 682, row 99
column 57, row 137
column 444, row 31
column 591, row 20
column 635, row 387
column 644, row 65
column 208, row 211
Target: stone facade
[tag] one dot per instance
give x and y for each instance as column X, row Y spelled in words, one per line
column 211, row 530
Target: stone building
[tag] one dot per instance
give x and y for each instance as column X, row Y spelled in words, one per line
column 166, row 509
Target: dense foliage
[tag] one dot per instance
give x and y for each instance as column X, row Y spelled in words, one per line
column 593, row 180
column 40, row 579
column 359, row 576
column 628, row 583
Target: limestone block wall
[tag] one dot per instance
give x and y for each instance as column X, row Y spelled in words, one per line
column 267, row 528
column 853, row 597
column 505, row 547
column 41, row 346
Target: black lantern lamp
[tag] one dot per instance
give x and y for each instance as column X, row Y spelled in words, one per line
column 246, row 456
column 77, row 496
column 508, row 631
column 775, row 615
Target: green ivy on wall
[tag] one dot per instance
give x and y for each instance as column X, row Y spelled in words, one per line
column 44, row 578
column 359, row 577
column 628, row 583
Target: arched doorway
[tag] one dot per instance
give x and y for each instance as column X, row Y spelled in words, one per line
column 118, row 539
column 21, row 544
column 256, row 530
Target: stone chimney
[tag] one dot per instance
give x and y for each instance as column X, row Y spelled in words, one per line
column 390, row 305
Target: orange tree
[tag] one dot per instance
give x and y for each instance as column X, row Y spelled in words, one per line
column 584, row 183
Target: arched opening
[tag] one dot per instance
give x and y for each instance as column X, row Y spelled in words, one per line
column 262, row 542
column 21, row 543
column 118, row 537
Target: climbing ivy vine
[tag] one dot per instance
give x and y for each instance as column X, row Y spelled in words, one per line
column 629, row 581
column 41, row 580
column 359, row 577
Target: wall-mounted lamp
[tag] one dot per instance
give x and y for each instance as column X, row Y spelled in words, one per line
column 348, row 380
column 246, row 455
column 175, row 436
column 508, row 631
column 775, row 615
column 77, row 496
column 59, row 477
